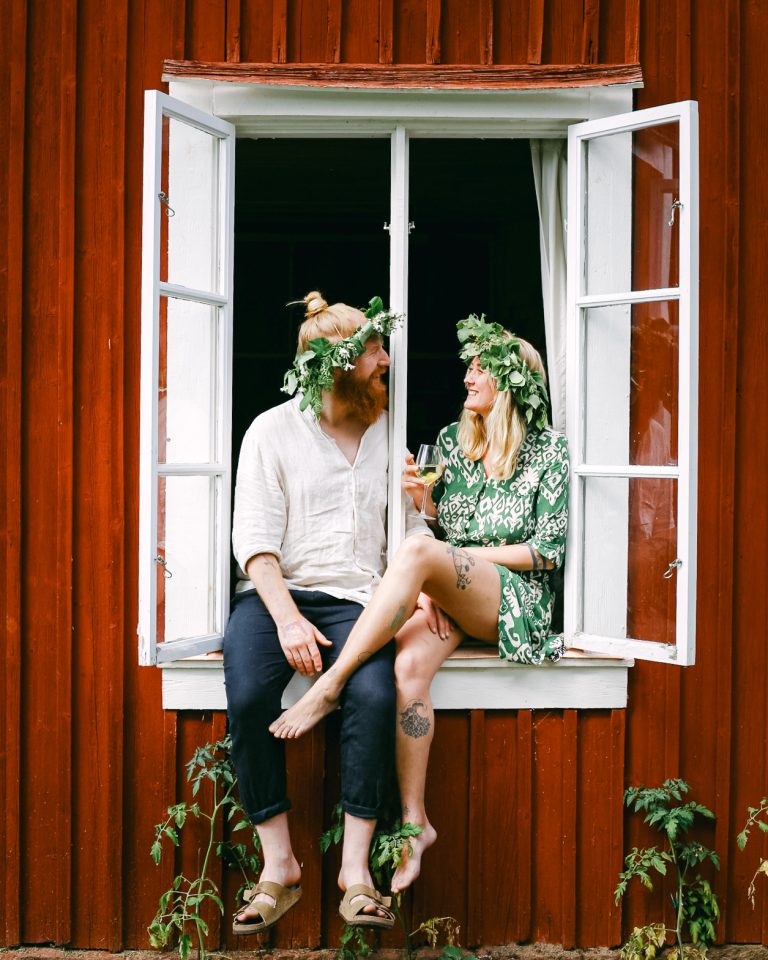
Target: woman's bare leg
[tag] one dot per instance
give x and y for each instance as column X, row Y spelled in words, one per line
column 467, row 588
column 419, row 655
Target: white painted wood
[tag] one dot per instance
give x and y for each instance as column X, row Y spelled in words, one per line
column 578, row 586
column 461, row 684
column 398, row 342
column 198, row 377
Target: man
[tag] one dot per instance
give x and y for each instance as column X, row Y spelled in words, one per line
column 309, row 532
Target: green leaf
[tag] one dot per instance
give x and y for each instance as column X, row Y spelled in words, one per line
column 184, row 944
column 156, row 851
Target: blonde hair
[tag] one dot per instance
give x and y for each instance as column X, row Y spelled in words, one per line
column 504, row 429
column 335, row 323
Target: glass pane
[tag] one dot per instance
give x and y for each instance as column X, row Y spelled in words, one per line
column 630, row 379
column 186, row 542
column 187, row 381
column 631, row 184
column 189, row 227
column 630, row 539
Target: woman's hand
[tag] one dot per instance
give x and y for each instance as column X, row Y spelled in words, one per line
column 414, row 487
column 437, row 619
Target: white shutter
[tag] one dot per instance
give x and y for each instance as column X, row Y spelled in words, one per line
column 186, row 364
column 632, row 362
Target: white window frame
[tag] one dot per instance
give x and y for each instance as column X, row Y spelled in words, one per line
column 578, row 302
column 158, row 106
column 257, row 110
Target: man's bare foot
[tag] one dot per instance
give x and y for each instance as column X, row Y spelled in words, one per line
column 288, row 878
column 410, row 865
column 320, row 700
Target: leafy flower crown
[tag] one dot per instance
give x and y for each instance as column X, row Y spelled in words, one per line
column 499, row 355
column 312, row 370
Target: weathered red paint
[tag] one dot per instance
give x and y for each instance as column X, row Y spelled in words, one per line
column 528, row 805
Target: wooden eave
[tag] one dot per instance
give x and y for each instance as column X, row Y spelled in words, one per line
column 410, row 76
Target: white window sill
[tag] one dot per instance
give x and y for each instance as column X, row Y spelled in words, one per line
column 470, row 679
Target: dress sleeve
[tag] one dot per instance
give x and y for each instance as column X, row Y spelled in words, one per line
column 552, row 502
column 258, row 523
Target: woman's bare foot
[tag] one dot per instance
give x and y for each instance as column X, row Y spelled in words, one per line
column 321, row 699
column 410, row 865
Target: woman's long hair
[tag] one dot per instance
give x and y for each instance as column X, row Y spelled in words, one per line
column 504, row 429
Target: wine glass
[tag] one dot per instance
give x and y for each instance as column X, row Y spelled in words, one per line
column 429, row 464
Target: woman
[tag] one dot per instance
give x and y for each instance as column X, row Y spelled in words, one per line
column 502, row 504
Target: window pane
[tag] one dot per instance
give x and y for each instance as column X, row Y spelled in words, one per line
column 631, row 384
column 630, row 540
column 631, row 182
column 189, row 227
column 187, row 381
column 186, row 541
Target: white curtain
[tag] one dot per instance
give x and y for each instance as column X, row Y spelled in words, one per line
column 550, row 176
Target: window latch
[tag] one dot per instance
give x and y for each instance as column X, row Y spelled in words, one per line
column 670, row 571
column 388, row 226
column 161, row 561
column 677, row 205
column 163, row 198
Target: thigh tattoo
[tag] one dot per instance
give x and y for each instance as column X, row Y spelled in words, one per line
column 462, row 564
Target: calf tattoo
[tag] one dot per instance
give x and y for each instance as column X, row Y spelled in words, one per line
column 412, row 723
column 462, row 564
column 398, row 620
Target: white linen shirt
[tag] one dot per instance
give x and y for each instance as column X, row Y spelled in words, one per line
column 298, row 497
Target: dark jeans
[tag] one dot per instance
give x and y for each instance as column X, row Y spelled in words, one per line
column 256, row 673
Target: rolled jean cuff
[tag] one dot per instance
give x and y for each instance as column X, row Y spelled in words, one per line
column 363, row 813
column 283, row 806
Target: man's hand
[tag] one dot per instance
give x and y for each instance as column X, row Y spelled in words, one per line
column 437, row 619
column 299, row 640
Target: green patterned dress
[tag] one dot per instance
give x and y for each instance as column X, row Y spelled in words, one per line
column 532, row 507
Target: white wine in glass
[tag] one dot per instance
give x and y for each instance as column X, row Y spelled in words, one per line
column 429, row 464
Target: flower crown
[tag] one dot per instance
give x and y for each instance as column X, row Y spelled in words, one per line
column 312, row 370
column 500, row 357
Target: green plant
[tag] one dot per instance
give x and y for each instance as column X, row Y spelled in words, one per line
column 181, row 906
column 756, row 817
column 695, row 904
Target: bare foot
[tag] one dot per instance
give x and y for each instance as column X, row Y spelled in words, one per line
column 320, row 700
column 410, row 865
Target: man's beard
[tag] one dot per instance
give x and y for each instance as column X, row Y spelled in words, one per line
column 365, row 398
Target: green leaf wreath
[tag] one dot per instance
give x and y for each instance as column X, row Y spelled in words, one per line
column 500, row 357
column 312, row 370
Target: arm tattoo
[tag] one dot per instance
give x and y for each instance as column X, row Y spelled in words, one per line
column 462, row 564
column 398, row 620
column 534, row 557
column 412, row 723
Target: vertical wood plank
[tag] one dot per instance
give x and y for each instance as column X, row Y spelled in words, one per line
column 279, row 31
column 616, row 819
column 590, row 37
column 486, row 31
column 434, row 18
column 13, row 45
column 45, row 807
column 333, row 32
column 535, row 30
column 409, row 31
column 386, row 31
column 632, row 31
column 476, row 828
column 570, row 775
column 524, row 805
column 233, row 30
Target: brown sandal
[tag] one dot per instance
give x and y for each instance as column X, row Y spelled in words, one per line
column 284, row 897
column 366, row 896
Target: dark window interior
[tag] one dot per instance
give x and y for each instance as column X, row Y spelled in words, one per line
column 310, row 214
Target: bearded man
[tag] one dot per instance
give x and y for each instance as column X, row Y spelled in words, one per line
column 309, row 535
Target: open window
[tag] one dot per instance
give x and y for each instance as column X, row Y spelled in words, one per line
column 631, row 324
column 186, row 376
column 632, row 384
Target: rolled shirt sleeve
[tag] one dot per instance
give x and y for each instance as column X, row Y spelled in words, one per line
column 258, row 524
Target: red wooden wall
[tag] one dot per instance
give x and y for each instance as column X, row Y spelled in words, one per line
column 528, row 804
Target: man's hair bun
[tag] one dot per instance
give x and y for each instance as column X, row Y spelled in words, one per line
column 315, row 304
